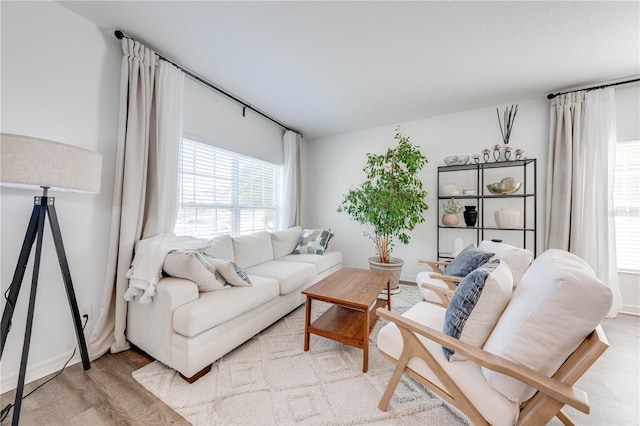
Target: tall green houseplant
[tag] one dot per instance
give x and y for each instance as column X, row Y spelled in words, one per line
column 391, row 200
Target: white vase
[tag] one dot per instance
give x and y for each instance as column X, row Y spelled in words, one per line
column 457, row 246
column 507, row 218
column 449, row 189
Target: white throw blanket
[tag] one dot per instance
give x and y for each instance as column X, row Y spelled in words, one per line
column 146, row 267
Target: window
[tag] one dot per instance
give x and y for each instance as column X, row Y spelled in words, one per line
column 626, row 203
column 221, row 192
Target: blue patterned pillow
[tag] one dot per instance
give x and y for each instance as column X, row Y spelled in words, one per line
column 313, row 241
column 231, row 272
column 465, row 262
column 477, row 304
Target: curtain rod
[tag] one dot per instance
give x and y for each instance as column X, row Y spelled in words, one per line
column 119, row 35
column 553, row 95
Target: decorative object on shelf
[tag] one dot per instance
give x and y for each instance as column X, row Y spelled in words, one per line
column 391, row 201
column 456, row 160
column 519, row 152
column 506, row 186
column 506, row 152
column 456, row 246
column 496, row 152
column 470, row 215
column 509, row 118
column 469, row 191
column 507, row 218
column 449, row 189
column 485, row 154
column 476, row 158
column 451, row 209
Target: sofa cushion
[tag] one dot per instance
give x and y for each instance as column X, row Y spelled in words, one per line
column 313, row 241
column 493, row 406
column 220, row 247
column 558, row 302
column 516, row 258
column 322, row 262
column 290, row 275
column 195, row 266
column 466, row 261
column 252, row 249
column 284, row 242
column 231, row 272
column 477, row 304
column 217, row 307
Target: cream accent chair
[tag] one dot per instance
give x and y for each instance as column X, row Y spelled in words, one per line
column 437, row 287
column 546, row 338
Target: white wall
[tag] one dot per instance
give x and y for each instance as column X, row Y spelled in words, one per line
column 60, row 80
column 333, row 164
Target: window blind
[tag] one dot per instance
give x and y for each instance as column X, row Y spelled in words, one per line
column 222, row 192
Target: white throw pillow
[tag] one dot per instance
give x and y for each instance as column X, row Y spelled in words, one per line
column 194, row 266
column 558, row 302
column 477, row 304
column 516, row 258
column 284, row 242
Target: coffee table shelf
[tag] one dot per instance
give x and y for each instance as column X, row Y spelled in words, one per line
column 354, row 295
column 345, row 325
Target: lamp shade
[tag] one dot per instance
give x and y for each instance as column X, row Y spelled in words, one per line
column 31, row 162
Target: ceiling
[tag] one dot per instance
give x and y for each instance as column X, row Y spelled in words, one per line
column 326, row 68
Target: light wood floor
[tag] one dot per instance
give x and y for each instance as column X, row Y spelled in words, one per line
column 107, row 394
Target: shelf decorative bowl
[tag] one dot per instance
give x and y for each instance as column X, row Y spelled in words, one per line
column 504, row 188
column 456, row 160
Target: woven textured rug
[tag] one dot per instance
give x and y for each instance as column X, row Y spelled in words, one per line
column 271, row 380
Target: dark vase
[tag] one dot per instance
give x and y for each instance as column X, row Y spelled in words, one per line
column 470, row 215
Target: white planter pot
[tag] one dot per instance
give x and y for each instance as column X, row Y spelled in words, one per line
column 395, row 267
column 507, row 218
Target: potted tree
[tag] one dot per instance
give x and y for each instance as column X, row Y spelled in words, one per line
column 391, row 201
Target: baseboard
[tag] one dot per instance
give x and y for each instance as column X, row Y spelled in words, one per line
column 38, row 371
column 630, row 310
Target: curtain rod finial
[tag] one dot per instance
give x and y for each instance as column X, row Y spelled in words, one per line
column 119, row 34
column 551, row 96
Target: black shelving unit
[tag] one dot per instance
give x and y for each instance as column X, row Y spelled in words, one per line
column 483, row 199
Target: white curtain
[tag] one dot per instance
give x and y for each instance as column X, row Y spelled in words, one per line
column 579, row 212
column 290, row 214
column 144, row 199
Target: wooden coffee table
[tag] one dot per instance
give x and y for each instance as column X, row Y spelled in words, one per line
column 354, row 295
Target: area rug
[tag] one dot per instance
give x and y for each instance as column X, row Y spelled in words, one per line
column 270, row 380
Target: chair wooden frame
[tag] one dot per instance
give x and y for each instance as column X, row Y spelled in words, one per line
column 553, row 393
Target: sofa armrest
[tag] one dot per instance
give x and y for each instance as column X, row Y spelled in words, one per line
column 150, row 326
column 554, row 388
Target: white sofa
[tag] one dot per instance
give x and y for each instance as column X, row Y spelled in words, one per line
column 188, row 330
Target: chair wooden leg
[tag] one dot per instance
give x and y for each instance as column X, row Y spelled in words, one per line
column 566, row 420
column 393, row 381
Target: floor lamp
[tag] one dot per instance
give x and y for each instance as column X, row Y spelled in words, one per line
column 37, row 163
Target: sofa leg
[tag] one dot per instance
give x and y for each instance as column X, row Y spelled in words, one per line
column 197, row 375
